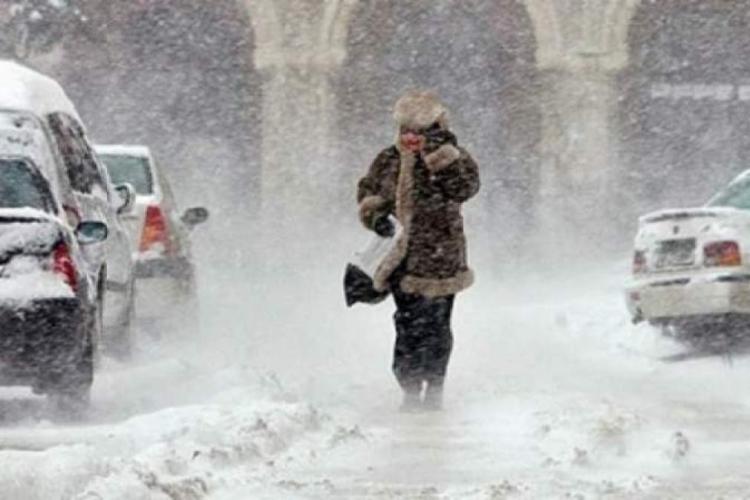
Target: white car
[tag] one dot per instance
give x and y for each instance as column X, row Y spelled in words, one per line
column 87, row 194
column 691, row 267
column 160, row 234
column 50, row 301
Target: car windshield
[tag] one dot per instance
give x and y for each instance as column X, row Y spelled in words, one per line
column 131, row 169
column 736, row 195
column 21, row 186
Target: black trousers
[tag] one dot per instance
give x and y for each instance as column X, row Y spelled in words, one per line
column 424, row 339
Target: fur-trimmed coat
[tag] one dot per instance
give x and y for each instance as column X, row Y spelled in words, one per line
column 425, row 193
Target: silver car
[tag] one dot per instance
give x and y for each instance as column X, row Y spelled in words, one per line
column 95, row 199
column 160, row 235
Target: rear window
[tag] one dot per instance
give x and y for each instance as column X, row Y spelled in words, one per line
column 736, row 195
column 131, row 169
column 22, row 186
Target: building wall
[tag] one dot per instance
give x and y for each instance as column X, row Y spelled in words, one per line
column 685, row 115
column 582, row 113
column 178, row 76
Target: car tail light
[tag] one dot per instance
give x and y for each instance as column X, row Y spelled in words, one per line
column 63, row 264
column 639, row 262
column 722, row 254
column 155, row 231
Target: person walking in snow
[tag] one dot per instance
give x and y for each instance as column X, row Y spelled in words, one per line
column 422, row 180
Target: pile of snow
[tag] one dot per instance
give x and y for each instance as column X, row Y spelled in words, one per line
column 178, row 453
column 186, row 452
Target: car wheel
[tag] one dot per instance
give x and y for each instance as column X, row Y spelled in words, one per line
column 189, row 312
column 123, row 342
column 71, row 395
column 97, row 329
column 184, row 317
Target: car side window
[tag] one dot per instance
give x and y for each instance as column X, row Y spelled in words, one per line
column 92, row 169
column 67, row 148
column 77, row 156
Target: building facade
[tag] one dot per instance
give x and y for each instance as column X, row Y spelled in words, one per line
column 582, row 113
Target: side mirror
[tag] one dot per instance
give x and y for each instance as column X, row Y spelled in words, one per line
column 126, row 193
column 88, row 233
column 194, row 216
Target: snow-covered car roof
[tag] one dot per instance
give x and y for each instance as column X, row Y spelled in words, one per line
column 23, row 89
column 21, row 135
column 123, row 150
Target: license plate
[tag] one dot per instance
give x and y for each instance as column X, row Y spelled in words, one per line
column 675, row 253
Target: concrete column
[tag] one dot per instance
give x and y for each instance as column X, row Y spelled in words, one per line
column 299, row 47
column 298, row 109
column 579, row 164
column 582, row 45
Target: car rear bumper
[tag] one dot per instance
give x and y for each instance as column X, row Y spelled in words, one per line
column 162, row 286
column 116, row 307
column 157, row 298
column 674, row 299
column 42, row 336
column 178, row 268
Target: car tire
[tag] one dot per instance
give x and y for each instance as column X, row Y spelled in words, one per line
column 189, row 312
column 123, row 342
column 71, row 395
column 185, row 316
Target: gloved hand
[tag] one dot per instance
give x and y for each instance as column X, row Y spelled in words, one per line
column 436, row 137
column 384, row 228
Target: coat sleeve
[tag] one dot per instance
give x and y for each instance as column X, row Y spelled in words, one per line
column 454, row 171
column 372, row 202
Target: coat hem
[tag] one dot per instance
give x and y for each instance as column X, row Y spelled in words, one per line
column 436, row 287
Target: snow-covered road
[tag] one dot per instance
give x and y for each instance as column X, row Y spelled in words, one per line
column 552, row 394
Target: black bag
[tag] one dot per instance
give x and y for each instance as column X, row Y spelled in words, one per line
column 358, row 287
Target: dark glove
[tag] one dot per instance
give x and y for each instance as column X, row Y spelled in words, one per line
column 436, row 137
column 384, row 228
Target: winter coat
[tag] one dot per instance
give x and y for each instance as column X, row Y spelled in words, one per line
column 425, row 192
